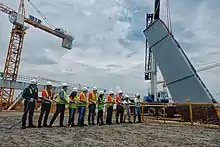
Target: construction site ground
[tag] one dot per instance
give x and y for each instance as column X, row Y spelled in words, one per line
column 145, row 134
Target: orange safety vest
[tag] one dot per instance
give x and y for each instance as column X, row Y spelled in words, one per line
column 82, row 95
column 94, row 97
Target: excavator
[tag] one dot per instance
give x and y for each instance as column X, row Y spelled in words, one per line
column 18, row 19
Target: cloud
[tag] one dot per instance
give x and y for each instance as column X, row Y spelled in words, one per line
column 109, row 45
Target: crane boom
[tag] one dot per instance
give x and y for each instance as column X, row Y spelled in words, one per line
column 5, row 9
column 67, row 39
column 16, row 43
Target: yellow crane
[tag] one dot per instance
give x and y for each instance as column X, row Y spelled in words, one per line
column 18, row 19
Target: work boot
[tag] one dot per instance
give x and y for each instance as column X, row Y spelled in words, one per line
column 45, row 125
column 31, row 126
column 23, row 127
column 139, row 119
column 69, row 123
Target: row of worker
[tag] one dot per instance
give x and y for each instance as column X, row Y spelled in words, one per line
column 95, row 101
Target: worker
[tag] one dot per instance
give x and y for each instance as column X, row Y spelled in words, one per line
column 101, row 101
column 119, row 107
column 47, row 99
column 72, row 106
column 82, row 106
column 30, row 94
column 62, row 99
column 110, row 103
column 127, row 112
column 137, row 102
column 92, row 105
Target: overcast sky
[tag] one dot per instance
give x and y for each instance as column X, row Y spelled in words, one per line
column 109, row 45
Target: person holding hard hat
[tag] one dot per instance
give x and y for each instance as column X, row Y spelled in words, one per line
column 82, row 106
column 30, row 94
column 61, row 100
column 47, row 98
column 92, row 105
column 72, row 106
column 101, row 101
column 119, row 107
column 110, row 103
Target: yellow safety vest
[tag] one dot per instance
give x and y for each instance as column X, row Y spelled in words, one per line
column 94, row 97
column 61, row 101
column 84, row 99
column 73, row 105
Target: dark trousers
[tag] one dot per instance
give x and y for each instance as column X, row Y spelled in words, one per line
column 28, row 110
column 60, row 109
column 71, row 116
column 45, row 110
column 100, row 117
column 119, row 111
column 92, row 108
column 109, row 115
column 82, row 112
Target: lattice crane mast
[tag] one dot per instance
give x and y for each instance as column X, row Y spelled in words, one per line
column 16, row 43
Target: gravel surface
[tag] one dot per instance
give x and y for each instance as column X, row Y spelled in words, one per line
column 132, row 135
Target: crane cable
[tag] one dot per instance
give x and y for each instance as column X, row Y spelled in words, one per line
column 168, row 16
column 42, row 15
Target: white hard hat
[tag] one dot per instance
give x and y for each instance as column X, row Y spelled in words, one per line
column 137, row 94
column 101, row 92
column 33, row 81
column 111, row 92
column 48, row 83
column 64, row 84
column 120, row 91
column 126, row 96
column 75, row 89
column 94, row 88
column 85, row 89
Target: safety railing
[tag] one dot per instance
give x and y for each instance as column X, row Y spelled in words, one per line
column 187, row 113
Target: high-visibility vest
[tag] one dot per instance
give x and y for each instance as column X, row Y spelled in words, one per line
column 61, row 101
column 84, row 98
column 101, row 104
column 48, row 96
column 73, row 105
column 31, row 92
column 111, row 101
column 94, row 97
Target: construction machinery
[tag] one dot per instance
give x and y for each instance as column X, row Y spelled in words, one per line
column 180, row 76
column 18, row 19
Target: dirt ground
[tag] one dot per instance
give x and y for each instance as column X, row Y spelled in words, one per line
column 132, row 135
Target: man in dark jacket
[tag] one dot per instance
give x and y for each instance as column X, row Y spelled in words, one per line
column 30, row 94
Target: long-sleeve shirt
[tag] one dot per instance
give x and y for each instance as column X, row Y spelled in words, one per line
column 109, row 101
column 127, row 104
column 30, row 92
column 137, row 102
column 48, row 94
column 118, row 100
column 61, row 94
column 92, row 97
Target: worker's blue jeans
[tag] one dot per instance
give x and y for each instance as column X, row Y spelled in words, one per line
column 71, row 116
column 92, row 108
column 137, row 111
column 82, row 111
